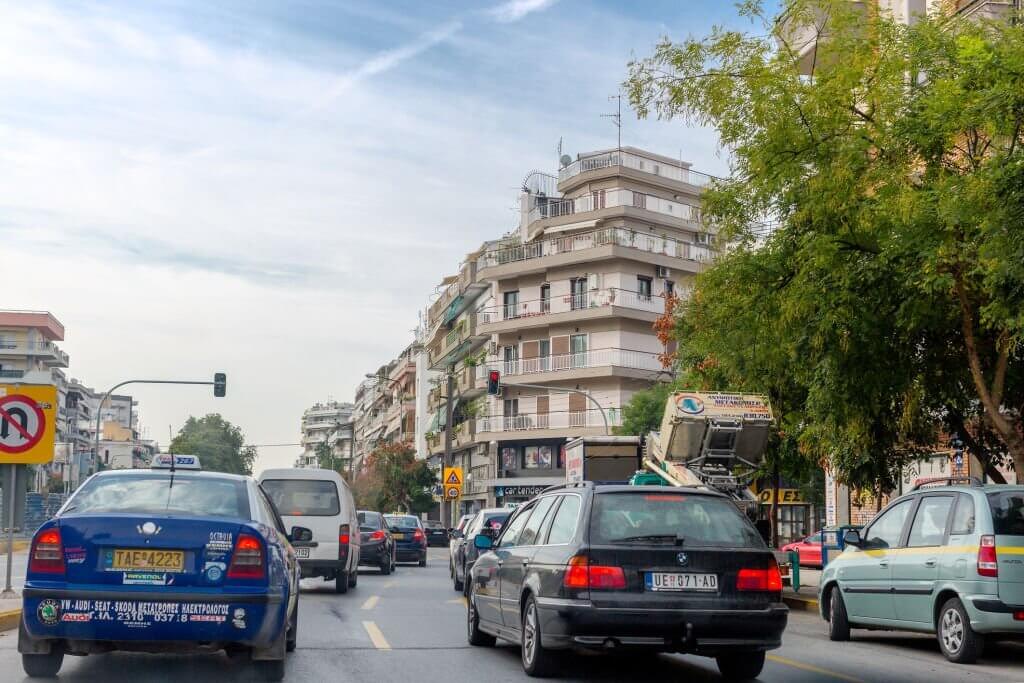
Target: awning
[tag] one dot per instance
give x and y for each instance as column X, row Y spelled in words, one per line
column 571, row 226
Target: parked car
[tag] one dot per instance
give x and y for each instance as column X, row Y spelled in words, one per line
column 437, row 534
column 410, row 539
column 808, row 550
column 613, row 567
column 158, row 561
column 489, row 521
column 321, row 501
column 941, row 559
column 376, row 546
column 455, row 539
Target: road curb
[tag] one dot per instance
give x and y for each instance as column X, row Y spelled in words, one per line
column 18, row 546
column 9, row 620
column 800, row 602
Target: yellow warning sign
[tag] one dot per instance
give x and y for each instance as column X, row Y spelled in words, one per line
column 452, row 482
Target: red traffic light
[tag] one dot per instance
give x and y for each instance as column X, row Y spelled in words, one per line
column 494, row 382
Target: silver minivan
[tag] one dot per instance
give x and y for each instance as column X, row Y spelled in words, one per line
column 943, row 559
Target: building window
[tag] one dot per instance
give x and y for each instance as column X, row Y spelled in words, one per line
column 537, row 457
column 545, row 298
column 509, row 458
column 511, row 305
column 511, row 360
column 643, row 287
column 544, row 352
column 578, row 286
column 578, row 349
column 670, row 288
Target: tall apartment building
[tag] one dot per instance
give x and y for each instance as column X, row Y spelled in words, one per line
column 386, row 404
column 567, row 302
column 329, row 422
column 28, row 349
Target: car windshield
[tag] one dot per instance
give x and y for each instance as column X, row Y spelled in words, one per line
column 692, row 520
column 369, row 521
column 1007, row 512
column 495, row 522
column 179, row 494
column 403, row 521
column 304, row 497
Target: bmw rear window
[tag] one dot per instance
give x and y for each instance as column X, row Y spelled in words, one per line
column 370, row 521
column 303, row 497
column 185, row 495
column 1007, row 512
column 670, row 518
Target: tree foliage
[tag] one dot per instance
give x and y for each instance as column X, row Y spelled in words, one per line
column 874, row 282
column 395, row 480
column 642, row 414
column 219, row 444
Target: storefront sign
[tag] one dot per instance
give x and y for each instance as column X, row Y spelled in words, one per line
column 786, row 497
column 518, row 491
column 574, row 463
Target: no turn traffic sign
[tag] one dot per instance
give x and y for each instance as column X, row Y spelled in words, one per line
column 27, row 423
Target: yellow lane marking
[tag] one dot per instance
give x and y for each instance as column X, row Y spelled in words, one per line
column 812, row 669
column 376, row 637
column 457, row 601
column 371, row 602
column 389, row 584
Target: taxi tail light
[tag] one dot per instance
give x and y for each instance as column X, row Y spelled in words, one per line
column 377, row 535
column 247, row 559
column 47, row 553
column 764, row 580
column 581, row 575
column 417, row 535
column 988, row 565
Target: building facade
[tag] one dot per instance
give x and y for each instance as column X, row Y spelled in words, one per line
column 331, row 423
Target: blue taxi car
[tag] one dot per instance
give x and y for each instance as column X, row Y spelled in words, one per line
column 164, row 560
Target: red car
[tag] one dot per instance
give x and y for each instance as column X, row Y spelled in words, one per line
column 809, row 549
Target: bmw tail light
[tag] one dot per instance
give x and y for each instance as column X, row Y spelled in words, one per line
column 581, row 575
column 764, row 580
column 247, row 559
column 377, row 536
column 47, row 553
column 988, row 564
column 418, row 535
column 576, row 574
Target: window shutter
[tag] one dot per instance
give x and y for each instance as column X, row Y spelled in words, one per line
column 560, row 345
column 577, row 403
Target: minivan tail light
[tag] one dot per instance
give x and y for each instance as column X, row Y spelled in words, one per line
column 988, row 564
column 581, row 575
column 764, row 580
column 247, row 559
column 47, row 553
column 344, row 538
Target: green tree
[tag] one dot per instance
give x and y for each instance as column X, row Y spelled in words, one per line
column 874, row 280
column 643, row 413
column 219, row 444
column 396, row 480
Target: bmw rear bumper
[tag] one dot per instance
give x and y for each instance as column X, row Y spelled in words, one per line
column 372, row 554
column 578, row 624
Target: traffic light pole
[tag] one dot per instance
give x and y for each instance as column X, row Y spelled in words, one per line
column 448, row 519
column 99, row 409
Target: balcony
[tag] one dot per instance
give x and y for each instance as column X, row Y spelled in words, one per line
column 586, row 243
column 644, row 361
column 45, row 351
column 596, row 303
column 636, row 162
column 590, row 420
column 609, row 199
column 12, row 374
column 463, row 436
column 459, row 340
column 983, row 9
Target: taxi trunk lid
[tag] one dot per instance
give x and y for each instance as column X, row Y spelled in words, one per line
column 1008, row 522
column 148, row 550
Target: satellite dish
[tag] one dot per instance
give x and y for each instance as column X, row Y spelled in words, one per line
column 566, row 160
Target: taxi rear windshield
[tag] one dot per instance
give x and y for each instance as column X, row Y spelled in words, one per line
column 670, row 518
column 304, row 497
column 403, row 521
column 181, row 494
column 1007, row 512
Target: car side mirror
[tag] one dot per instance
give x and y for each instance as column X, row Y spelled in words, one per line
column 300, row 534
column 852, row 537
column 482, row 542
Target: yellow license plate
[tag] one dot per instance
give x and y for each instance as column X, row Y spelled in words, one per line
column 157, row 560
column 398, row 537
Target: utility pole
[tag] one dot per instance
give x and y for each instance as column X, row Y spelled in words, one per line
column 449, row 519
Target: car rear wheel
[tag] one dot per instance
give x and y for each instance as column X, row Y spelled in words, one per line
column 838, row 623
column 423, row 560
column 476, row 636
column 537, row 662
column 741, row 666
column 270, row 670
column 43, row 666
column 341, row 582
column 959, row 642
column 385, row 566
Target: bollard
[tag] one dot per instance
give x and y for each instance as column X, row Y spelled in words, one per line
column 794, row 570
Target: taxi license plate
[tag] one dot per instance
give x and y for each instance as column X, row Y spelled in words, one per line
column 664, row 581
column 302, row 553
column 398, row 537
column 121, row 559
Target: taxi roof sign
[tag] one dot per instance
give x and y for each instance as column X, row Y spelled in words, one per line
column 167, row 461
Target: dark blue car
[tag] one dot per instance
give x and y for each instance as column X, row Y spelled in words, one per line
column 162, row 560
column 410, row 539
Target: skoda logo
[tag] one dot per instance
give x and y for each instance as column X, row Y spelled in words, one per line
column 682, row 559
column 148, row 529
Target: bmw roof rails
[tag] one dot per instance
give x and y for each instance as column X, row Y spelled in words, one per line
column 947, row 481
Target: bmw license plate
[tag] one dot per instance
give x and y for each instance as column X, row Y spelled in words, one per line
column 665, row 581
column 302, row 553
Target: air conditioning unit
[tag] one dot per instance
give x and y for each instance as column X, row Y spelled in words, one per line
column 662, row 272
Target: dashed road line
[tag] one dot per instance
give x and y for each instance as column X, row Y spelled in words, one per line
column 371, row 602
column 376, row 636
column 812, row 669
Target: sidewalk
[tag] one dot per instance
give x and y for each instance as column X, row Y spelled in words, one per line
column 806, row 598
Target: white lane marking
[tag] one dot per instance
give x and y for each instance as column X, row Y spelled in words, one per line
column 376, row 637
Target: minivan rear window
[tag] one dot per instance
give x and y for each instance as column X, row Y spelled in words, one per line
column 695, row 520
column 304, row 497
column 188, row 496
column 1007, row 512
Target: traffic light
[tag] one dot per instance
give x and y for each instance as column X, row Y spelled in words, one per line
column 494, row 383
column 220, row 384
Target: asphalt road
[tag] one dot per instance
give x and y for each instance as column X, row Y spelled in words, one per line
column 409, row 627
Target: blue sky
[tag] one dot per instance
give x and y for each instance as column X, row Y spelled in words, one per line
column 274, row 189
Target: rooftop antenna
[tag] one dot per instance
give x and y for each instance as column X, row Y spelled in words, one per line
column 617, row 116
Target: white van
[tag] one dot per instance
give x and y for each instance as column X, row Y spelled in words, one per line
column 321, row 501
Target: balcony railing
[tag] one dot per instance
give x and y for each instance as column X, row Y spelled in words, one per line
column 635, row 162
column 621, row 237
column 607, row 199
column 560, row 420
column 623, row 358
column 12, row 374
column 596, row 298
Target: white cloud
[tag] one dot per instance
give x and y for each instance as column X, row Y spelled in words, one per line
column 514, row 10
